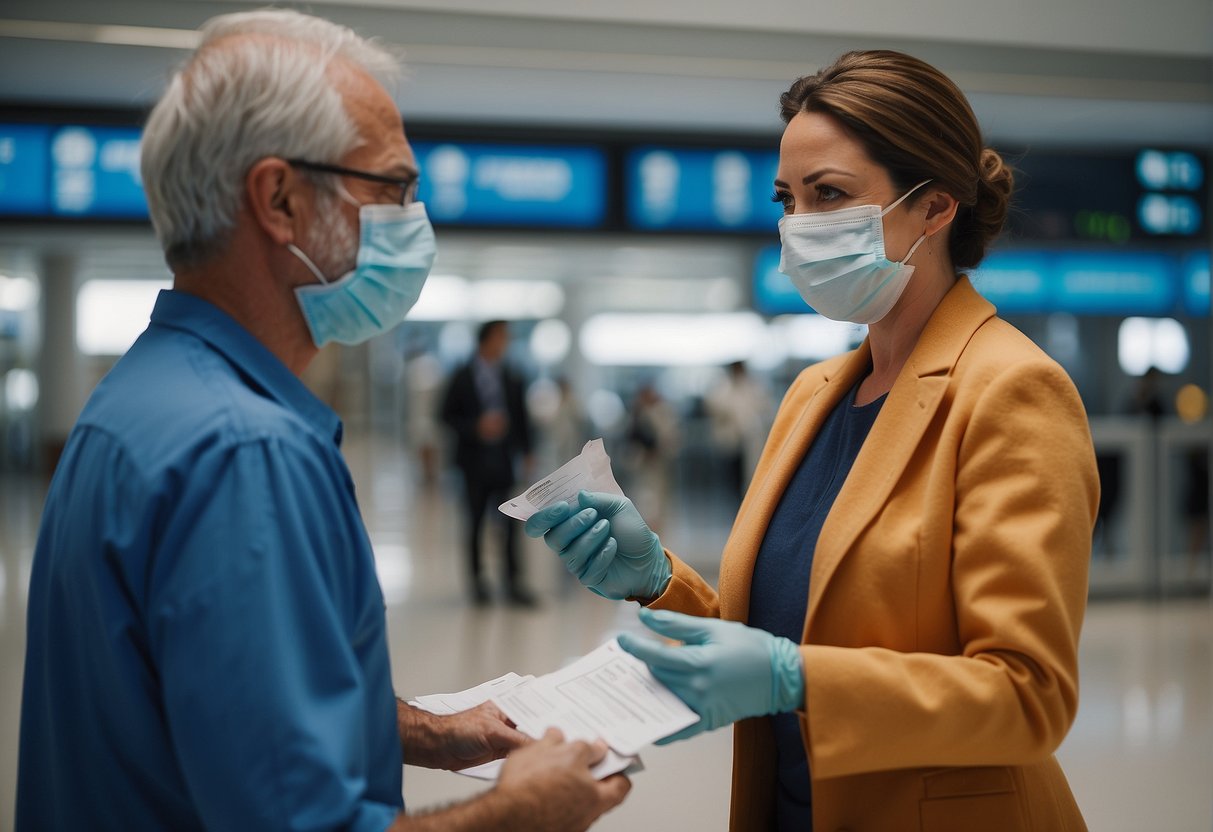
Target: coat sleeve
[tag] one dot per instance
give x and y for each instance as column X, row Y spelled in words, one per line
column 1025, row 498
column 687, row 592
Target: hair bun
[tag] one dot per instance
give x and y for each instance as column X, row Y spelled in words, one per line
column 981, row 223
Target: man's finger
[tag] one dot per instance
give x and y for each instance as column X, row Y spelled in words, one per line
column 552, row 736
column 612, row 790
column 591, row 753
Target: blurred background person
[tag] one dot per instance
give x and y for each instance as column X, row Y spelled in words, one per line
column 653, row 440
column 569, row 428
column 739, row 408
column 422, row 399
column 485, row 407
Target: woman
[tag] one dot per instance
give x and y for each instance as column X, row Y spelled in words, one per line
column 902, row 591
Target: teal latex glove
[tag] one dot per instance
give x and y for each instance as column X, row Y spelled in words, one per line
column 605, row 544
column 725, row 671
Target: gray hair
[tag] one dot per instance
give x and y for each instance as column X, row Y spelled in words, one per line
column 258, row 85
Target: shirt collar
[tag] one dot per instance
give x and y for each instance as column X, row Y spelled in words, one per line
column 263, row 370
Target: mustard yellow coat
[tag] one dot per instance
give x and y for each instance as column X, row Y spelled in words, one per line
column 947, row 590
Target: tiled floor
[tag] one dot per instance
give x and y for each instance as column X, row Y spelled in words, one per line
column 1140, row 756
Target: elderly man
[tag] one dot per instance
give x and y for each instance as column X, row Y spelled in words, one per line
column 206, row 644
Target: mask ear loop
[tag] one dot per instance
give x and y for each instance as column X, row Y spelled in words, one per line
column 346, row 196
column 307, row 261
column 905, row 196
column 913, row 249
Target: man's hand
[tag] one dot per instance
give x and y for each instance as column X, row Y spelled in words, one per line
column 492, row 425
column 456, row 741
column 545, row 787
column 552, row 778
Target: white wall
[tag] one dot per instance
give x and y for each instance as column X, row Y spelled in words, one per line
column 1040, row 71
column 1169, row 27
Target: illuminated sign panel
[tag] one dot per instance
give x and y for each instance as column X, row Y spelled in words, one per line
column 774, row 293
column 1014, row 281
column 1115, row 284
column 95, row 173
column 521, row 185
column 24, row 165
column 1110, row 196
column 695, row 189
column 1035, row 282
column 1196, row 284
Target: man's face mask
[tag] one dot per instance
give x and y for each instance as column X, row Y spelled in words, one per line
column 396, row 249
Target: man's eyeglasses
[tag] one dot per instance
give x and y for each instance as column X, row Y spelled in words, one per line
column 407, row 185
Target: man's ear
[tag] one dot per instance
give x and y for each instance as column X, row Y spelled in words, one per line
column 941, row 208
column 274, row 193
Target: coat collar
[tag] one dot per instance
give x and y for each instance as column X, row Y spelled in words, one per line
column 904, row 418
column 898, row 431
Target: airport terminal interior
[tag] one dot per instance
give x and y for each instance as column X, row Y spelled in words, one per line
column 599, row 175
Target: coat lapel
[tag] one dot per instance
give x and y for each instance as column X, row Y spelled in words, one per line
column 897, row 432
column 762, row 498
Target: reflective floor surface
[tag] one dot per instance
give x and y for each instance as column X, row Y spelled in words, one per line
column 1140, row 756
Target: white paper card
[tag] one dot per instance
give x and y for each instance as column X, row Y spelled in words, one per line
column 450, row 703
column 607, row 694
column 590, row 470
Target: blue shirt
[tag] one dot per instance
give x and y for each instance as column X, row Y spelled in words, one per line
column 206, row 638
column 780, row 588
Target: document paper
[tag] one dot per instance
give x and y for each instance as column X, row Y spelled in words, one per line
column 590, row 470
column 607, row 694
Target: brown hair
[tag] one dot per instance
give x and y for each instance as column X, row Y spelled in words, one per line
column 915, row 122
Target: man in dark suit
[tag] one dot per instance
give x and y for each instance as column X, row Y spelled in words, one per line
column 484, row 405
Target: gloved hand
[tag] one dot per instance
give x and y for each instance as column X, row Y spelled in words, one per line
column 606, row 545
column 725, row 671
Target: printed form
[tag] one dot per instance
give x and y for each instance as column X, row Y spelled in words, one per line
column 590, row 470
column 607, row 694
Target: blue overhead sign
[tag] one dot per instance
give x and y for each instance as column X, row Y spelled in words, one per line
column 95, row 172
column 774, row 293
column 694, row 189
column 24, row 165
column 1014, row 281
column 1116, row 284
column 1196, row 284
column 517, row 185
column 1040, row 282
column 1081, row 283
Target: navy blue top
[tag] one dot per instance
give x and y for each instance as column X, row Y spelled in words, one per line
column 780, row 589
column 206, row 636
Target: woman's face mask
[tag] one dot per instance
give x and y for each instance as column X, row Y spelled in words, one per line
column 837, row 262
